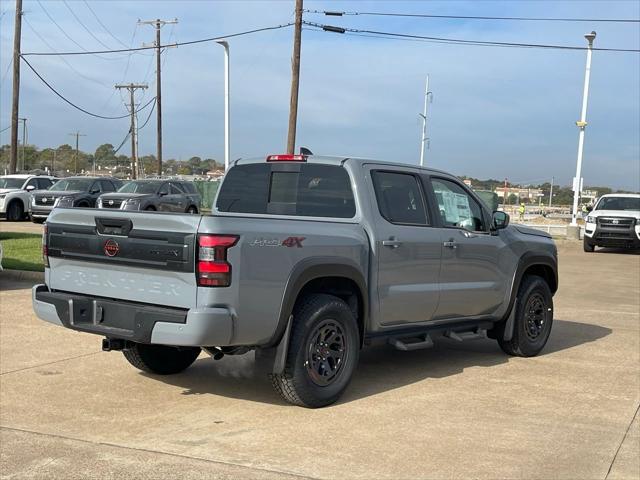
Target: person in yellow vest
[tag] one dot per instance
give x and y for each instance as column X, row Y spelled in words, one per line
column 584, row 210
column 521, row 210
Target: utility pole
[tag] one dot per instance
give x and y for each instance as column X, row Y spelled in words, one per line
column 295, row 79
column 77, row 134
column 581, row 124
column 158, row 25
column 15, row 101
column 424, row 137
column 551, row 192
column 24, row 141
column 132, row 87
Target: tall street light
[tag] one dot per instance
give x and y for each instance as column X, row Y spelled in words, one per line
column 577, row 181
column 227, row 112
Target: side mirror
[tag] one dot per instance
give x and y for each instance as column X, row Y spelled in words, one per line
column 162, row 194
column 94, row 191
column 500, row 220
column 30, row 188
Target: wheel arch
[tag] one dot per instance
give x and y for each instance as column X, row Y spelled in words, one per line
column 333, row 276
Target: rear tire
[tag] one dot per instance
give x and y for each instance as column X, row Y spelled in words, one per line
column 15, row 211
column 587, row 246
column 323, row 352
column 150, row 209
column 533, row 319
column 161, row 359
column 38, row 220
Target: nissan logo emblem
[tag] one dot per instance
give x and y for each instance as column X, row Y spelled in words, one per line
column 616, row 222
column 110, row 202
column 111, row 248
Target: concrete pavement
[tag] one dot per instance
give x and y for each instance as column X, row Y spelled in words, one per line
column 460, row 410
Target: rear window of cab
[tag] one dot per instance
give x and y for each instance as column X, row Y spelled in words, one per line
column 300, row 189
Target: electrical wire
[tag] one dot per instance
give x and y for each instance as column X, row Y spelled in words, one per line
column 138, row 49
column 5, row 129
column 84, row 26
column 123, row 141
column 64, row 32
column 154, row 99
column 458, row 41
column 103, row 25
column 26, row 21
column 469, row 17
column 73, row 104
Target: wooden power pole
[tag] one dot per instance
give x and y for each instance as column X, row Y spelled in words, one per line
column 158, row 25
column 295, row 79
column 17, row 34
column 77, row 134
column 132, row 87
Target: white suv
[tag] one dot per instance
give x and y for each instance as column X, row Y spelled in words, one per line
column 15, row 194
column 613, row 222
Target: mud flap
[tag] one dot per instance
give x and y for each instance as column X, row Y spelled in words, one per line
column 510, row 322
column 273, row 360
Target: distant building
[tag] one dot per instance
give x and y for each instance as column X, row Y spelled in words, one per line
column 467, row 182
column 590, row 195
column 215, row 174
column 526, row 194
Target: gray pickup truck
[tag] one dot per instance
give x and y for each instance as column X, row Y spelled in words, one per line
column 304, row 259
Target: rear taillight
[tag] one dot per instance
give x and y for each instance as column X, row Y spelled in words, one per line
column 45, row 246
column 212, row 267
column 286, row 158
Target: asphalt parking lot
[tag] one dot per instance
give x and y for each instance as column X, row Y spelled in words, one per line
column 460, row 410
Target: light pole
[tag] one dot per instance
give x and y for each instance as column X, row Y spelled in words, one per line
column 423, row 138
column 582, row 123
column 227, row 113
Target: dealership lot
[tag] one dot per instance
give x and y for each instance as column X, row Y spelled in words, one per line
column 456, row 411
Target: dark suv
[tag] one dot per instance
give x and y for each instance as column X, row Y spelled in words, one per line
column 79, row 192
column 154, row 195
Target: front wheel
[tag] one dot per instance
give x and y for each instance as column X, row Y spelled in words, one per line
column 192, row 210
column 533, row 319
column 323, row 352
column 15, row 212
column 161, row 359
column 587, row 246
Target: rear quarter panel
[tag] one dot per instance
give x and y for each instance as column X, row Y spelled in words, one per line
column 268, row 251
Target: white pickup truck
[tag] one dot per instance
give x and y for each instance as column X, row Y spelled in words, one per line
column 613, row 222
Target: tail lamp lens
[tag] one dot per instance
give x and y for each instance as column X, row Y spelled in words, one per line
column 213, row 269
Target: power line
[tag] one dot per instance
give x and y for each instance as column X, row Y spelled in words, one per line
column 83, row 25
column 42, row 39
column 123, row 141
column 468, row 17
column 457, row 41
column 137, row 49
column 155, row 102
column 64, row 32
column 73, row 104
column 5, row 129
column 103, row 25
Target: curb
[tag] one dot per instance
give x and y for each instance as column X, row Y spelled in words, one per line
column 22, row 276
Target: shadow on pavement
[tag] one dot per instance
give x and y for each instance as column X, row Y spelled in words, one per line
column 380, row 369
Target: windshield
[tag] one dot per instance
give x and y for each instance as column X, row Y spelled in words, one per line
column 11, row 182
column 618, row 203
column 139, row 187
column 69, row 184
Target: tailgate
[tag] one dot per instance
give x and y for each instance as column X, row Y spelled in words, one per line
column 136, row 256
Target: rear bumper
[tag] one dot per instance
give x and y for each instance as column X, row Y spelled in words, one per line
column 136, row 322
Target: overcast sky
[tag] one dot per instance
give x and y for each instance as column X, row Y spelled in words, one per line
column 496, row 112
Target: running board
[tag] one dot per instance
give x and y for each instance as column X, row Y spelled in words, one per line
column 412, row 343
column 478, row 333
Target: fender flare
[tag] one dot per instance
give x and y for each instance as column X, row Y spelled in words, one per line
column 304, row 272
column 529, row 259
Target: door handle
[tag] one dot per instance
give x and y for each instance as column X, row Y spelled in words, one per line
column 391, row 243
column 450, row 244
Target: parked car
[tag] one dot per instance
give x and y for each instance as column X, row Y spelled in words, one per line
column 79, row 192
column 614, row 221
column 154, row 195
column 305, row 260
column 15, row 194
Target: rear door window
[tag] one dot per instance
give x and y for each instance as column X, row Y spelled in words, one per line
column 306, row 190
column 176, row 189
column 107, row 186
column 44, row 183
column 400, row 199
